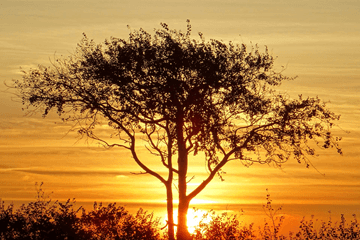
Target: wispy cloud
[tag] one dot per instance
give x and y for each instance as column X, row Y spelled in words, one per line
column 72, row 172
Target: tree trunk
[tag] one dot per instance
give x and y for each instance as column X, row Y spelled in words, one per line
column 170, row 211
column 182, row 230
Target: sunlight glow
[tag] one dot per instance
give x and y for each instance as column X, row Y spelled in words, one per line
column 194, row 217
column 195, row 201
column 202, row 201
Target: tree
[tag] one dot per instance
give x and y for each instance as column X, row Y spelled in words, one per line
column 183, row 97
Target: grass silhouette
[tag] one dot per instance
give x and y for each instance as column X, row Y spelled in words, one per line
column 48, row 219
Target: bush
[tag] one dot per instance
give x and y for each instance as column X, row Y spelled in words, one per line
column 224, row 226
column 112, row 222
column 42, row 219
column 45, row 219
column 328, row 230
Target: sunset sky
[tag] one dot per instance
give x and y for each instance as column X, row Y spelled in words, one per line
column 316, row 40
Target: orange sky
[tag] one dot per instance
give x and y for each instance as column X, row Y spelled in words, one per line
column 317, row 40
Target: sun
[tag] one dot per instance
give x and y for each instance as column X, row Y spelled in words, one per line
column 194, row 217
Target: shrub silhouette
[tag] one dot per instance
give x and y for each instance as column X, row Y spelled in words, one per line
column 39, row 220
column 227, row 227
column 223, row 226
column 47, row 219
column 328, row 230
column 114, row 222
column 271, row 230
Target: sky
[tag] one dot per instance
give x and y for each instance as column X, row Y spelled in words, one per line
column 316, row 40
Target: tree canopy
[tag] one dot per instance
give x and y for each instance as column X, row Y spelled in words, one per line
column 183, row 96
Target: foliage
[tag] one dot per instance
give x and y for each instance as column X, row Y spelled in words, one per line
column 45, row 219
column 227, row 227
column 222, row 227
column 328, row 230
column 112, row 222
column 42, row 219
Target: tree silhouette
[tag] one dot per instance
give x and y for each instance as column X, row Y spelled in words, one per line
column 182, row 97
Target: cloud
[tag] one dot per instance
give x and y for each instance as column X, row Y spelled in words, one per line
column 72, row 172
column 9, row 45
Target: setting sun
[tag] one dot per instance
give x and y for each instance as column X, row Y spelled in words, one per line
column 194, row 216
